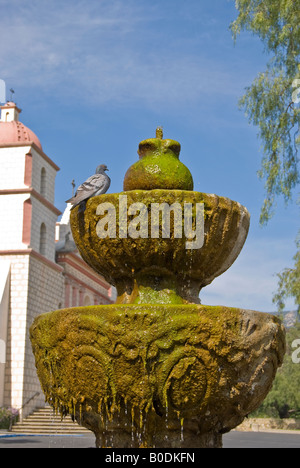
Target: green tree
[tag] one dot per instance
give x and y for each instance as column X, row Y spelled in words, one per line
column 283, row 401
column 271, row 104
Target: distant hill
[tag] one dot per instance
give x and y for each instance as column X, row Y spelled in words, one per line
column 290, row 317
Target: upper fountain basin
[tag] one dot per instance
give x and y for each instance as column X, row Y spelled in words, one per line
column 136, row 258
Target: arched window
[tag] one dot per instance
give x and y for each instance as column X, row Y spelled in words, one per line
column 43, row 239
column 43, row 182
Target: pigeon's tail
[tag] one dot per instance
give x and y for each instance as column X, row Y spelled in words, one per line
column 72, row 200
column 78, row 198
column 75, row 204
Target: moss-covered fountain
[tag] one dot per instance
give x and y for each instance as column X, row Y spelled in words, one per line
column 158, row 369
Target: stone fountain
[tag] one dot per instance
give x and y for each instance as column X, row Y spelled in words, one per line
column 158, row 369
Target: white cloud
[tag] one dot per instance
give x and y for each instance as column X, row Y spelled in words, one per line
column 251, row 281
column 105, row 52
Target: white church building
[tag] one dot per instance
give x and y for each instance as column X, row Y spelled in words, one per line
column 40, row 268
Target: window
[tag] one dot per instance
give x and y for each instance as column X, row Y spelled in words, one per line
column 43, row 239
column 43, row 182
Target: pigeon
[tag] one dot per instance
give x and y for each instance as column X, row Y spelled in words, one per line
column 97, row 184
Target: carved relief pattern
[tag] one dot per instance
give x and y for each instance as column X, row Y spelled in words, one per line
column 212, row 364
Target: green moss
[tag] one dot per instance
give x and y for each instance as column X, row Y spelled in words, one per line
column 98, row 353
column 146, row 366
column 158, row 167
column 150, row 295
column 158, row 172
column 93, row 354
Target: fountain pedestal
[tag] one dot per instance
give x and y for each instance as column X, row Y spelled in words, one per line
column 158, row 369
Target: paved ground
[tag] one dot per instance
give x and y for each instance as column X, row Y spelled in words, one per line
column 231, row 440
column 261, row 440
column 42, row 441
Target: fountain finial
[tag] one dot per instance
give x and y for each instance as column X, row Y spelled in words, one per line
column 159, row 133
column 158, row 166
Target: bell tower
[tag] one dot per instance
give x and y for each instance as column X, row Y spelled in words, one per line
column 31, row 281
column 10, row 112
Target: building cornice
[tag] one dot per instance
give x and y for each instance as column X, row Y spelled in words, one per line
column 74, row 261
column 35, row 194
column 35, row 254
column 35, row 147
column 87, row 286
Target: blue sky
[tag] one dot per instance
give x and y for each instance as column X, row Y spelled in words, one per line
column 96, row 77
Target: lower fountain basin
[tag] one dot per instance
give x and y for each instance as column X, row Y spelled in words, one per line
column 163, row 376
